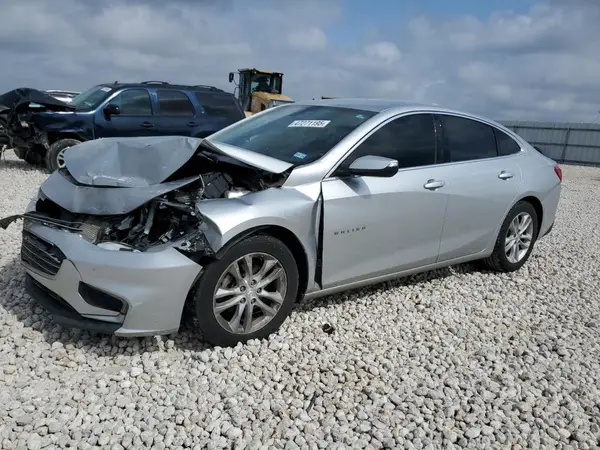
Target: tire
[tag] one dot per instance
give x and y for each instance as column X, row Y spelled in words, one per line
column 52, row 155
column 214, row 324
column 499, row 260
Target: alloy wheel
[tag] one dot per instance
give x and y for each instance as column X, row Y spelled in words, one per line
column 518, row 237
column 249, row 293
column 60, row 158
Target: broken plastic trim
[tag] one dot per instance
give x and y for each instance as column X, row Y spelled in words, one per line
column 43, row 219
column 195, row 246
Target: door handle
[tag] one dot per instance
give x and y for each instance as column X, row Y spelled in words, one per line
column 432, row 185
column 191, row 124
column 504, row 175
column 147, row 125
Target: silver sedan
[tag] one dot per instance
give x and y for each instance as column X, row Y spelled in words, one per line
column 298, row 201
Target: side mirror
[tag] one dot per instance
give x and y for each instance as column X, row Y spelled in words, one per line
column 374, row 166
column 111, row 110
column 230, row 77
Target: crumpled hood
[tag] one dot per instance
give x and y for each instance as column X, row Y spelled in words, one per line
column 118, row 175
column 145, row 161
column 20, row 99
column 129, row 162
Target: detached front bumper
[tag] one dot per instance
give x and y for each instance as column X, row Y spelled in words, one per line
column 107, row 291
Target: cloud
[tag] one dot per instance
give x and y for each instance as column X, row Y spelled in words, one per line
column 538, row 64
column 311, row 39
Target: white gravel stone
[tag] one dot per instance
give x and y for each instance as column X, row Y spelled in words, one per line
column 458, row 357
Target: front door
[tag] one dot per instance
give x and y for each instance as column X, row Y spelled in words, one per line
column 135, row 118
column 376, row 226
column 482, row 183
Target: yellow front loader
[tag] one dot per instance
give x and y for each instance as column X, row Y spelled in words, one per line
column 258, row 90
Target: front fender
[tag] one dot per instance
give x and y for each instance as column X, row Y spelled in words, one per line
column 65, row 124
column 294, row 209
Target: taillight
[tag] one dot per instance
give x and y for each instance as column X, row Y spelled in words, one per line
column 558, row 172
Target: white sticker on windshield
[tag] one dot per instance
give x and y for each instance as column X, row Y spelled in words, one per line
column 309, row 123
column 106, row 89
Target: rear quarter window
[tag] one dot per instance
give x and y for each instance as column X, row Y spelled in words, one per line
column 219, row 105
column 506, row 145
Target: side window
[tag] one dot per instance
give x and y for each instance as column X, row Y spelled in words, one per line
column 506, row 144
column 409, row 139
column 467, row 139
column 174, row 103
column 134, row 102
column 219, row 105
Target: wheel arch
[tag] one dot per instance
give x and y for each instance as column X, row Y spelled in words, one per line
column 286, row 236
column 529, row 198
column 277, row 231
column 537, row 205
column 55, row 136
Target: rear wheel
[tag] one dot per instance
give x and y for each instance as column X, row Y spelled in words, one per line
column 516, row 239
column 248, row 293
column 55, row 156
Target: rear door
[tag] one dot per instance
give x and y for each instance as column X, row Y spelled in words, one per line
column 176, row 114
column 482, row 181
column 376, row 226
column 135, row 119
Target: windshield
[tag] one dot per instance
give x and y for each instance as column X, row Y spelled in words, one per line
column 297, row 134
column 91, row 98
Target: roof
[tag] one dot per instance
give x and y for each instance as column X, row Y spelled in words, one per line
column 367, row 104
column 165, row 85
column 378, row 105
column 260, row 71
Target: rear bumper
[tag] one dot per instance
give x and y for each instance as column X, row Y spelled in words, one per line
column 107, row 291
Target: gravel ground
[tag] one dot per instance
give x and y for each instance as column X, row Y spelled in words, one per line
column 456, row 357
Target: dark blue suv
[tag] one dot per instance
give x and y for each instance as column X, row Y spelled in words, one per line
column 150, row 108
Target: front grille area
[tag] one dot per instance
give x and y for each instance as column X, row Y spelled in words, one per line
column 40, row 255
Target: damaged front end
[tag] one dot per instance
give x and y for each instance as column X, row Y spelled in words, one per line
column 170, row 219
column 142, row 194
column 19, row 124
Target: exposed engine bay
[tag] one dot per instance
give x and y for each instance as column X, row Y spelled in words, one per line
column 136, row 204
column 168, row 218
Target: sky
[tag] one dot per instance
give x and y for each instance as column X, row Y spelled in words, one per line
column 507, row 59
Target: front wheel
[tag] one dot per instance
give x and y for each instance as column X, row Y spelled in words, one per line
column 247, row 293
column 516, row 239
column 55, row 156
